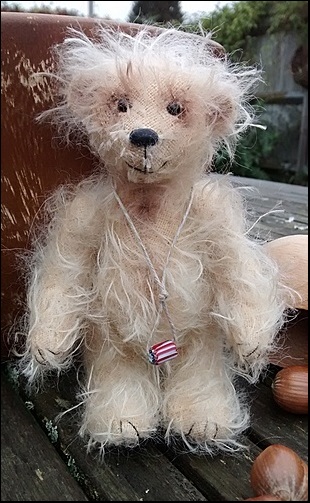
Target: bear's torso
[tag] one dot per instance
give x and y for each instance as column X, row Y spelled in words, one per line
column 132, row 258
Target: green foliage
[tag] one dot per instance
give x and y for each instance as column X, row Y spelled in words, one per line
column 155, row 12
column 41, row 9
column 11, row 7
column 290, row 16
column 234, row 24
column 251, row 154
column 254, row 158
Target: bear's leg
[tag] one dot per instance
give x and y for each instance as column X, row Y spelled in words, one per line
column 201, row 403
column 122, row 396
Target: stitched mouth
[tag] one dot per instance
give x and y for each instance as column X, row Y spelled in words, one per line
column 144, row 170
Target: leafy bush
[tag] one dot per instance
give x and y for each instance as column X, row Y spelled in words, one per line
column 234, row 24
column 251, row 153
column 41, row 9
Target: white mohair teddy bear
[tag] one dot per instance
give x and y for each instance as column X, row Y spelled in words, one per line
column 146, row 268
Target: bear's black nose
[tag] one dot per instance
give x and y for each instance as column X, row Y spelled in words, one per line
column 143, row 137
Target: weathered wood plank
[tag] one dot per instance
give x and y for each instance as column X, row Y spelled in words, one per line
column 270, row 203
column 139, row 474
column 31, row 469
column 281, row 191
column 290, row 203
column 283, row 222
column 269, row 229
column 224, row 477
column 273, row 425
column 151, row 472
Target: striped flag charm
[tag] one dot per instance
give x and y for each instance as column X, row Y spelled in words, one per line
column 162, row 352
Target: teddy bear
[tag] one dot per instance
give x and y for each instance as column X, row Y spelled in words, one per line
column 146, row 269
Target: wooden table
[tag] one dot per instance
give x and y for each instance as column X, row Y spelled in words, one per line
column 288, row 205
column 46, row 461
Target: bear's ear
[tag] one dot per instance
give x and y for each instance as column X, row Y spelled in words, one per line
column 221, row 115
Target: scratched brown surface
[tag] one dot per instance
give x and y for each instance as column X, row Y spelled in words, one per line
column 33, row 162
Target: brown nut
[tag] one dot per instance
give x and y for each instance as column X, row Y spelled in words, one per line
column 290, row 389
column 279, row 471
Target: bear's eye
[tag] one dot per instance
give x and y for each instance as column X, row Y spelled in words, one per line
column 123, row 105
column 175, row 108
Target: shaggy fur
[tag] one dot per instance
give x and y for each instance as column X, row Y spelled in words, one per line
column 91, row 288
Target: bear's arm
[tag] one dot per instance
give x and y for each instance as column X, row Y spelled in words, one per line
column 60, row 284
column 248, row 301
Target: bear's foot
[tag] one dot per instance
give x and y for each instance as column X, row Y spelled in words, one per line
column 127, row 431
column 206, row 428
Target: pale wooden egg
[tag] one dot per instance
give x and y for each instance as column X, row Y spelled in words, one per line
column 291, row 255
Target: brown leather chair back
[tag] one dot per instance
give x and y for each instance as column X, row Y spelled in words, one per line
column 33, row 163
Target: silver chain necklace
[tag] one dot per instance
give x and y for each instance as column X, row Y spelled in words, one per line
column 166, row 350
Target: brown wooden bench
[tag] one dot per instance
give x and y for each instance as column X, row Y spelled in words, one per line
column 43, row 460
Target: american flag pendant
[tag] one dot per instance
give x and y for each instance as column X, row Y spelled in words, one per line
column 162, row 352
